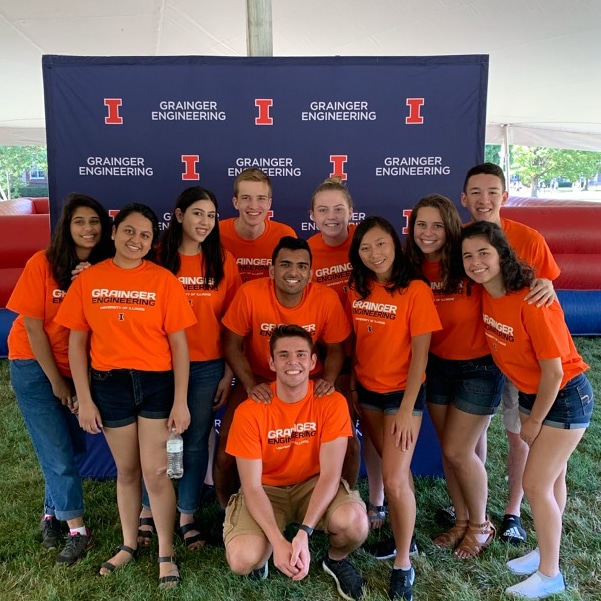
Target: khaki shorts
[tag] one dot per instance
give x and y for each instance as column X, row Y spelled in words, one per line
column 289, row 506
column 511, row 408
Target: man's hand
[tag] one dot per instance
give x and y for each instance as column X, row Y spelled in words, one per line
column 541, row 293
column 323, row 387
column 260, row 393
column 283, row 554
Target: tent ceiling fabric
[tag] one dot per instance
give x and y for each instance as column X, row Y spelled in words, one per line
column 544, row 78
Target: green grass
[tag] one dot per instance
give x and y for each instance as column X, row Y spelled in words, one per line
column 27, row 572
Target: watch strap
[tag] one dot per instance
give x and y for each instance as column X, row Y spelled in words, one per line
column 306, row 528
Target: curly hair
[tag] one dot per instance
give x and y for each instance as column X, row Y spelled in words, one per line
column 145, row 211
column 362, row 277
column 451, row 271
column 213, row 253
column 516, row 274
column 62, row 251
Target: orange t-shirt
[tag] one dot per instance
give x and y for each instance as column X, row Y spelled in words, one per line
column 253, row 257
column 37, row 295
column 384, row 324
column 287, row 437
column 256, row 311
column 331, row 265
column 462, row 335
column 209, row 304
column 531, row 248
column 519, row 335
column 129, row 313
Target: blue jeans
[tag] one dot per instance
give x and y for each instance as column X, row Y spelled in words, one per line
column 58, row 441
column 473, row 386
column 204, row 378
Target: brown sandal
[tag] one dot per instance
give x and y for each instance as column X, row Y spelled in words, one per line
column 470, row 546
column 451, row 538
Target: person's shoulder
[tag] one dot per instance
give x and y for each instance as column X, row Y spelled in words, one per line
column 511, row 227
column 419, row 287
column 280, row 229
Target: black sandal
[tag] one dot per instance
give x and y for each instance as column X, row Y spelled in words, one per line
column 145, row 536
column 171, row 581
column 194, row 542
column 111, row 567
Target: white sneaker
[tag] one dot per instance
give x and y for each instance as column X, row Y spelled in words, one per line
column 525, row 565
column 538, row 586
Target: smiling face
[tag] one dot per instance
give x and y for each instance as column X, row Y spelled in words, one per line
column 483, row 198
column 253, row 202
column 376, row 250
column 198, row 221
column 331, row 214
column 481, row 261
column 291, row 273
column 292, row 361
column 86, row 230
column 133, row 240
column 429, row 233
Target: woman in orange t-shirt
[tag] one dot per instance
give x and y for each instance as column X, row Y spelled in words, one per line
column 39, row 367
column 463, row 384
column 134, row 315
column 393, row 318
column 533, row 347
column 331, row 210
column 191, row 249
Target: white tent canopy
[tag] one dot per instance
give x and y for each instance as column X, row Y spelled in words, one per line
column 544, row 78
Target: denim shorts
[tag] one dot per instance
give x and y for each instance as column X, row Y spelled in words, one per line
column 473, row 386
column 123, row 395
column 572, row 408
column 389, row 402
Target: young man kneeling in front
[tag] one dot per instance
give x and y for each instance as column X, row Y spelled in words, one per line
column 289, row 455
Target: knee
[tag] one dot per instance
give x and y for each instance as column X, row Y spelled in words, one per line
column 350, row 521
column 130, row 475
column 396, row 486
column 241, row 559
column 455, row 456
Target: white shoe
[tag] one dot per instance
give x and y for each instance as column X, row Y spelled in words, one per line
column 525, row 565
column 538, row 586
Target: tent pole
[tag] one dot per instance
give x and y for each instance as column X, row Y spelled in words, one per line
column 505, row 158
column 259, row 34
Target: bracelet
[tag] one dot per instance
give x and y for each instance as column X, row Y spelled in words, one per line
column 306, row 529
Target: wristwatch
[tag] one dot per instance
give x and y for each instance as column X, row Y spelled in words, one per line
column 306, row 528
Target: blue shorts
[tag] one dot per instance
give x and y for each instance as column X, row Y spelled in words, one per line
column 572, row 408
column 123, row 395
column 389, row 402
column 473, row 386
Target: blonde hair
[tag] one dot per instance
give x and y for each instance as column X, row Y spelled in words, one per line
column 332, row 183
column 252, row 175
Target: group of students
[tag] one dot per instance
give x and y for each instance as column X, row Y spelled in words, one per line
column 140, row 350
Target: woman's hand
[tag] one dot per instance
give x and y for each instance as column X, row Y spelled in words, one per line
column 402, row 430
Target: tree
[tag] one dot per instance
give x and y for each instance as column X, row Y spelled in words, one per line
column 14, row 161
column 492, row 153
column 536, row 164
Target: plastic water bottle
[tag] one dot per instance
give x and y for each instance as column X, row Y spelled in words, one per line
column 175, row 456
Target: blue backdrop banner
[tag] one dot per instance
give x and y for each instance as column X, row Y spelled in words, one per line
column 125, row 129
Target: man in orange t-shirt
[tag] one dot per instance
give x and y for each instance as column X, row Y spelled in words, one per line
column 252, row 236
column 289, row 455
column 258, row 308
column 484, row 194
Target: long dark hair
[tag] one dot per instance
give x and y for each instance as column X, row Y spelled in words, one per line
column 62, row 252
column 145, row 211
column 362, row 276
column 213, row 254
column 516, row 274
column 451, row 266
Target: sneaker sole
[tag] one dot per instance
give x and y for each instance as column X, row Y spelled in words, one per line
column 340, row 591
